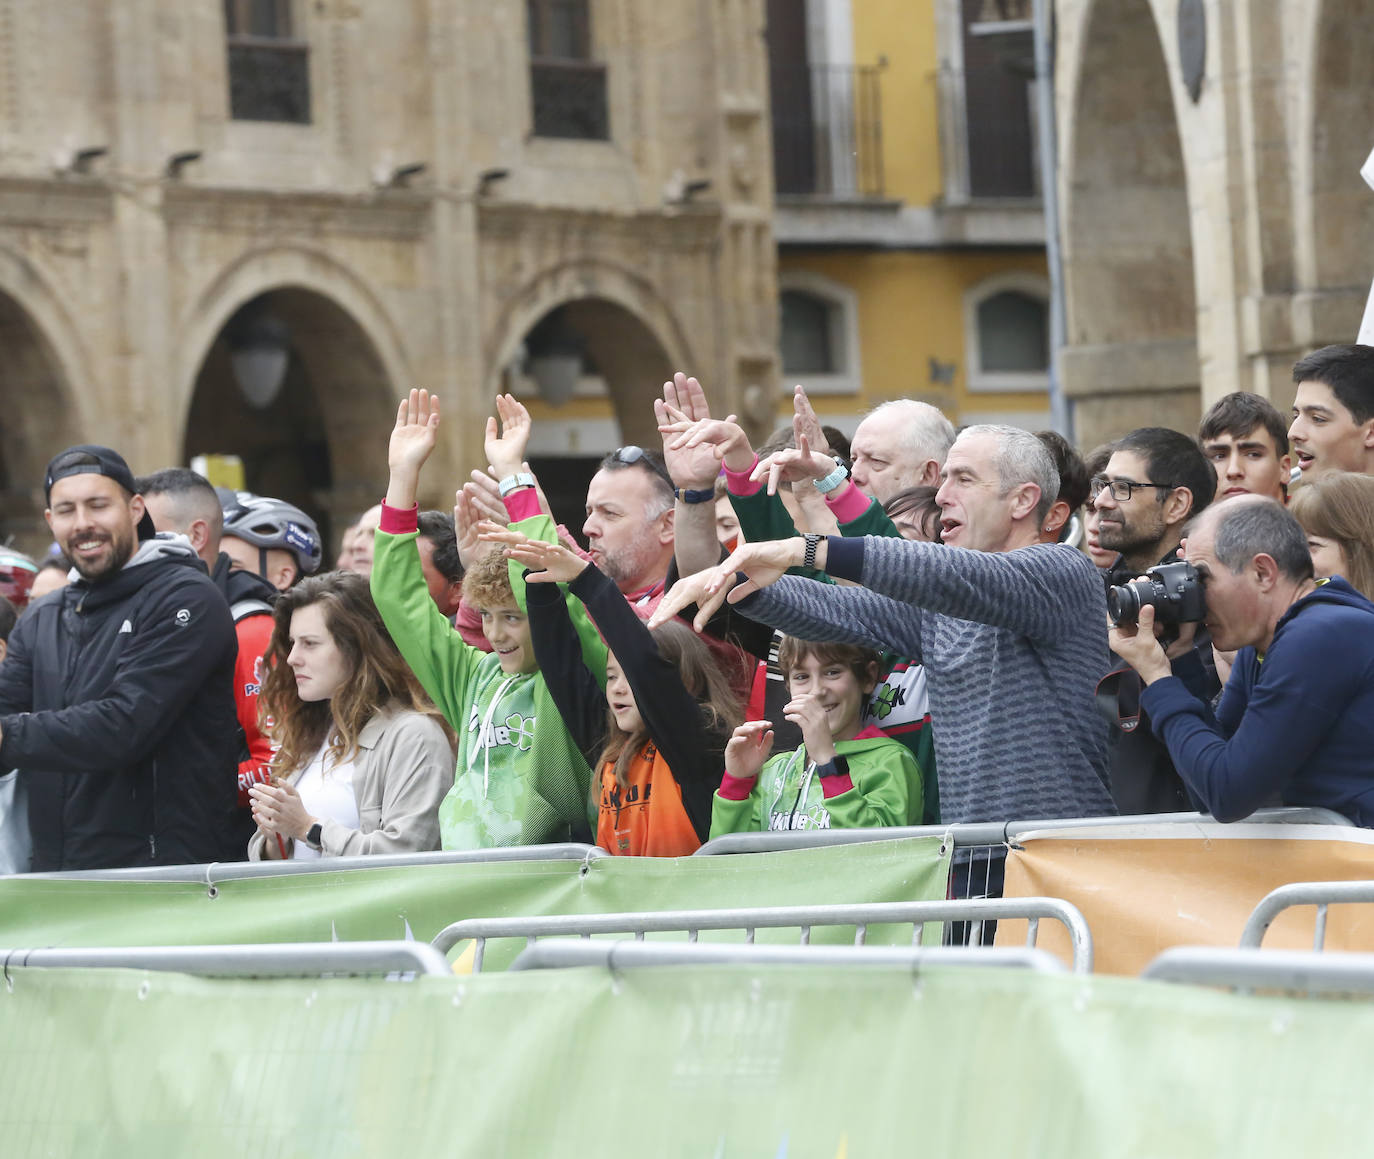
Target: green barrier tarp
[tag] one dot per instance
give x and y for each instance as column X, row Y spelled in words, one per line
column 392, row 903
column 702, row 1062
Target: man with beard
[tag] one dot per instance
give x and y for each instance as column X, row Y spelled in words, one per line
column 629, row 525
column 1155, row 481
column 116, row 696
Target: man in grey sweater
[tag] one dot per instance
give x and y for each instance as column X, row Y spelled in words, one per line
column 1013, row 632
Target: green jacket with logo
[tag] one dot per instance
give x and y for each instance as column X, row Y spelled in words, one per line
column 520, row 779
column 788, row 795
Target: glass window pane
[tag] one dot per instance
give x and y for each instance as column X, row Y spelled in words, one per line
column 1013, row 333
column 806, row 323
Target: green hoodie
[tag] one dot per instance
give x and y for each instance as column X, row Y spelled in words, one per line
column 520, row 779
column 787, row 795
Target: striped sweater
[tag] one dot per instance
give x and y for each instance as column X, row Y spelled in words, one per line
column 1013, row 643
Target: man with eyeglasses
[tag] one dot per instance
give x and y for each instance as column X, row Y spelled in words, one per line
column 1155, row 481
column 629, row 524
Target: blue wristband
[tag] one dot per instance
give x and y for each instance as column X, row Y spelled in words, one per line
column 832, row 480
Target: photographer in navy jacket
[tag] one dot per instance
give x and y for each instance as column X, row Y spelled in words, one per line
column 1296, row 719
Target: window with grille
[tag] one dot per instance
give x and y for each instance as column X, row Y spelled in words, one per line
column 568, row 87
column 269, row 67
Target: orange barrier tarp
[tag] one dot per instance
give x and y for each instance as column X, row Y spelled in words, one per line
column 1145, row 888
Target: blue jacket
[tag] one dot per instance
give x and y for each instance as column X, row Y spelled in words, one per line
column 1297, row 723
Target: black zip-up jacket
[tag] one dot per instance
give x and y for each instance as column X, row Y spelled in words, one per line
column 116, row 702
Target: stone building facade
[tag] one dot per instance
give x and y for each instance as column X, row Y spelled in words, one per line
column 360, row 197
column 1210, row 240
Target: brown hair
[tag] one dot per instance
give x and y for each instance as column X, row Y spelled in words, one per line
column 377, row 675
column 1340, row 506
column 686, row 653
column 487, row 582
column 860, row 661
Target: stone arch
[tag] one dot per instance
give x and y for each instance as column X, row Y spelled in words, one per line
column 43, row 360
column 1131, row 309
column 1334, row 216
column 321, row 443
column 631, row 333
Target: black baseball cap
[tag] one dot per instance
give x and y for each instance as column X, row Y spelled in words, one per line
column 89, row 459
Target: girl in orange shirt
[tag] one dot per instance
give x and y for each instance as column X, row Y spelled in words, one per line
column 660, row 747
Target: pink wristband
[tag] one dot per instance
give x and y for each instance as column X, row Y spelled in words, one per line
column 739, row 483
column 847, row 503
column 400, row 520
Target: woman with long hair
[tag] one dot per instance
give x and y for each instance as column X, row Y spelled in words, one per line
column 1337, row 512
column 363, row 759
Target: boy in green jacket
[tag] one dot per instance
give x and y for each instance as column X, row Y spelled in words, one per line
column 844, row 775
column 520, row 779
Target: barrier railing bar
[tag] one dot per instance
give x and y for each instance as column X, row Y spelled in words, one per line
column 1318, row 893
column 1302, row 970
column 299, row 959
column 630, row 955
column 804, row 918
column 219, row 871
column 995, row 832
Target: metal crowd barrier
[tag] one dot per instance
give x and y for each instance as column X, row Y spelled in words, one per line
column 1304, row 971
column 217, row 871
column 1318, row 893
column 691, row 922
column 994, row 833
column 629, row 955
column 285, row 960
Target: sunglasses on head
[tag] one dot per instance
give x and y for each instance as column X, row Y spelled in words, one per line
column 628, row 456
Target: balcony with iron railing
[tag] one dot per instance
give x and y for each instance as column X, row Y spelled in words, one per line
column 827, row 131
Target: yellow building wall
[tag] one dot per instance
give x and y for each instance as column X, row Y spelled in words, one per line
column 903, row 33
column 911, row 309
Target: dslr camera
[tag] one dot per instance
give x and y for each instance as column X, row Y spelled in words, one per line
column 1172, row 589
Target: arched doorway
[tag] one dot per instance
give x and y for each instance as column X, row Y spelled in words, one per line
column 38, row 422
column 294, row 387
column 576, row 358
column 1131, row 307
column 1340, row 204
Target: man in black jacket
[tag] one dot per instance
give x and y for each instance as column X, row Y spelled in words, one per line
column 1156, row 480
column 180, row 501
column 116, row 697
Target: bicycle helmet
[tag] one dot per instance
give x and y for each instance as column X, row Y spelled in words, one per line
column 267, row 523
column 16, row 576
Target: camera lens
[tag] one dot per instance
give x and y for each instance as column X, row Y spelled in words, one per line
column 1123, row 604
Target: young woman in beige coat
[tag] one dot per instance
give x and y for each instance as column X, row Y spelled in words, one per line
column 363, row 758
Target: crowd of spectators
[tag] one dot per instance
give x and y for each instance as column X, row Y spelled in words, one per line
column 918, row 625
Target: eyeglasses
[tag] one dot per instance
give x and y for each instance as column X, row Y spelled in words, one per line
column 1121, row 489
column 628, row 456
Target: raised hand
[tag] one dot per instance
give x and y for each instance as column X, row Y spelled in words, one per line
column 481, row 488
column 805, row 422
column 685, row 395
column 413, row 439
column 726, row 438
column 748, row 748
column 466, row 517
column 807, row 713
column 793, row 466
column 691, row 464
column 548, row 562
column 762, row 564
column 506, row 451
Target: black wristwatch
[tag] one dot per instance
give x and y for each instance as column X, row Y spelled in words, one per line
column 812, row 541
column 314, row 836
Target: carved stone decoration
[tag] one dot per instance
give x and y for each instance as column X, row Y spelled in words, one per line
column 1192, row 45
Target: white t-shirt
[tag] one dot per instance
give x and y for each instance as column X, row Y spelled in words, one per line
column 326, row 791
